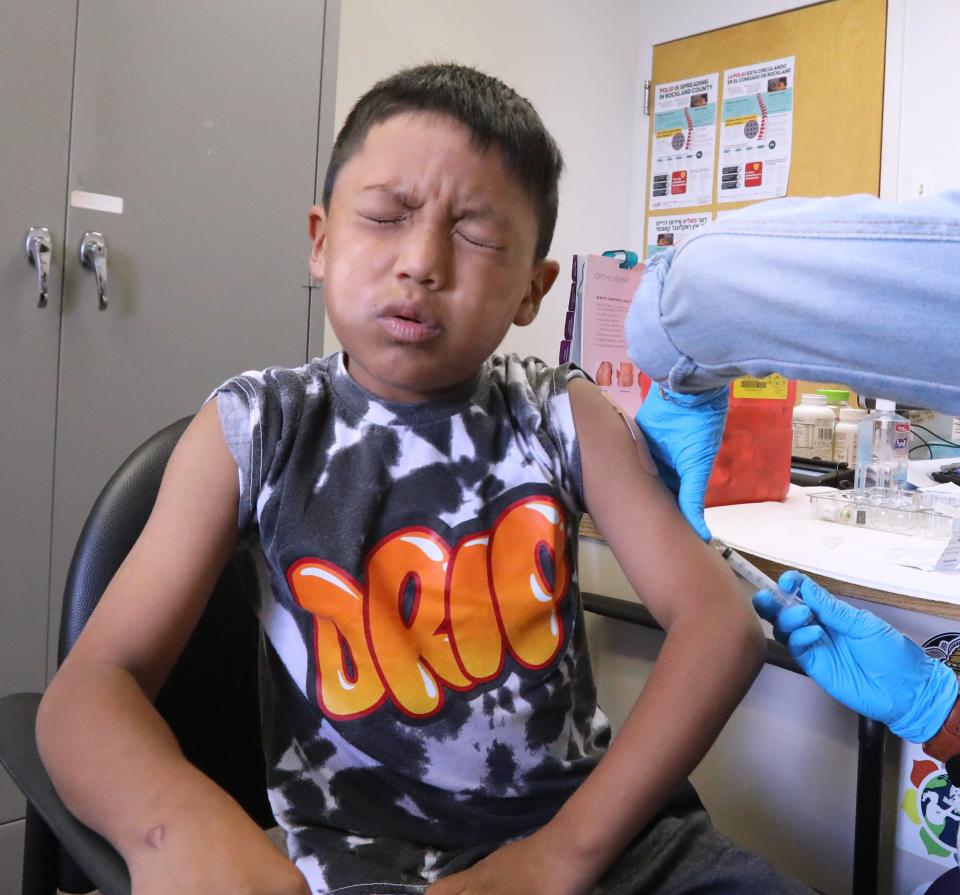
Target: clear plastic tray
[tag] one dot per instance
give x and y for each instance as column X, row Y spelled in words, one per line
column 885, row 509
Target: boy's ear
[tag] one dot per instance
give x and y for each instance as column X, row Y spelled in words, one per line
column 317, row 228
column 542, row 278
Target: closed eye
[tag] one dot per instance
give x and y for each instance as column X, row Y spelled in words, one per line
column 480, row 243
column 383, row 219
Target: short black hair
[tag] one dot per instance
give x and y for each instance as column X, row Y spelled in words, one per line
column 494, row 113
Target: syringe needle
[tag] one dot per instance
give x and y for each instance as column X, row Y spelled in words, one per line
column 754, row 576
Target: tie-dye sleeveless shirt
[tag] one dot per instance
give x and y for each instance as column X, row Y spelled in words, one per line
column 426, row 676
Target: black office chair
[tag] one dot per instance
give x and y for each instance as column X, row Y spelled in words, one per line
column 210, row 699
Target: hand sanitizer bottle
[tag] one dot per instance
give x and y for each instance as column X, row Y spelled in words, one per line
column 883, row 446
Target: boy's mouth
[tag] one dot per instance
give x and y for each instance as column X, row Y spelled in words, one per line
column 406, row 322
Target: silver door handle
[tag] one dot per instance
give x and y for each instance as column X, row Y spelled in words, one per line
column 93, row 255
column 39, row 248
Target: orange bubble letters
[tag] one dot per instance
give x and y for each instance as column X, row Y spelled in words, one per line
column 347, row 681
column 430, row 618
column 413, row 654
column 473, row 617
column 526, row 599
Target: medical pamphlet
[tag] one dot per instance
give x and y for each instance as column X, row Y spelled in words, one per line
column 600, row 295
column 756, row 131
column 684, row 143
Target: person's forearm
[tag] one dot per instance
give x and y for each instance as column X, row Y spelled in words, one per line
column 678, row 715
column 115, row 762
column 848, row 289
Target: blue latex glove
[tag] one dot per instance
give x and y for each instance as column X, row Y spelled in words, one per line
column 862, row 661
column 684, row 433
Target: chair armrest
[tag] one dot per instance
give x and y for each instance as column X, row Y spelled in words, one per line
column 18, row 754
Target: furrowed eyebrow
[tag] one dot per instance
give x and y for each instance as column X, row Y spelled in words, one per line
column 398, row 195
column 470, row 213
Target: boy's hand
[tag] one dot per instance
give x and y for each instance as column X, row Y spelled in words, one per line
column 535, row 865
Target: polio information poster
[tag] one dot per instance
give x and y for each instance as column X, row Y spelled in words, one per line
column 664, row 231
column 684, row 142
column 756, row 131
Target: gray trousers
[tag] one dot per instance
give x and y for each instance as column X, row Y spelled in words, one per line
column 680, row 853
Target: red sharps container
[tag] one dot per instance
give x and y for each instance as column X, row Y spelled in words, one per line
column 753, row 463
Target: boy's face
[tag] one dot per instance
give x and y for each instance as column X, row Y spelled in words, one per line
column 427, row 257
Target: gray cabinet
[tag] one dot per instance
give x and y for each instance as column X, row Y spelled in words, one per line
column 36, row 56
column 204, row 121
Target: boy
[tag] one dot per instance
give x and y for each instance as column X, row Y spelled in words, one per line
column 429, row 716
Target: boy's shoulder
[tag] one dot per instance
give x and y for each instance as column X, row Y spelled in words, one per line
column 536, row 398
column 263, row 406
column 312, row 377
column 531, row 378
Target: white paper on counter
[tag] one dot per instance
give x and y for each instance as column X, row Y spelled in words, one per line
column 788, row 533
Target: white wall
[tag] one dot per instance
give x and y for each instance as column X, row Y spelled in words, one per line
column 929, row 127
column 579, row 71
column 922, row 149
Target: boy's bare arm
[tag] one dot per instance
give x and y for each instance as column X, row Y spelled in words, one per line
column 110, row 755
column 695, row 597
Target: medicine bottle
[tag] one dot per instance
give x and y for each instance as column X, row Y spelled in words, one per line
column 845, row 435
column 837, row 399
column 813, row 428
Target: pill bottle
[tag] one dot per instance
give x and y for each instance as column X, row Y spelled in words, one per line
column 845, row 435
column 813, row 428
column 837, row 399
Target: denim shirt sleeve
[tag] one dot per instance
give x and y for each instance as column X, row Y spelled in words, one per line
column 847, row 289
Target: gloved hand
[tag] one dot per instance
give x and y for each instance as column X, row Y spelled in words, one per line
column 684, row 433
column 862, row 661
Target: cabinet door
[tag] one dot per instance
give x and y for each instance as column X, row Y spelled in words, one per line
column 36, row 72
column 202, row 118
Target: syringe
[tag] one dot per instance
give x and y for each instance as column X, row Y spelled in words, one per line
column 751, row 573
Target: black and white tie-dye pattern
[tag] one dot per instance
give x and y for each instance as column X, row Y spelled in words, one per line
column 439, row 539
column 328, row 474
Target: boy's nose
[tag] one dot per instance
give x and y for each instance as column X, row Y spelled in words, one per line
column 424, row 256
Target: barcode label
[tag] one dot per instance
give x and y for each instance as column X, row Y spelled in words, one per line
column 773, row 387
